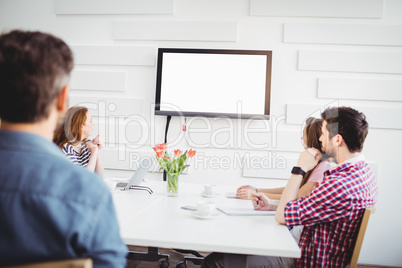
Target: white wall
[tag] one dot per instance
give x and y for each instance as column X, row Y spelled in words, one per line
column 324, row 52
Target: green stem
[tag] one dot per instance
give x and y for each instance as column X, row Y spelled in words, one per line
column 173, row 182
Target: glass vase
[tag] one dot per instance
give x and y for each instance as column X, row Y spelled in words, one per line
column 172, row 184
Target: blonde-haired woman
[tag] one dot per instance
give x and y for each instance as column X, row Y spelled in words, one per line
column 72, row 138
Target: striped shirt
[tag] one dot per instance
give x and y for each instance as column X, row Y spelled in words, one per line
column 332, row 213
column 80, row 159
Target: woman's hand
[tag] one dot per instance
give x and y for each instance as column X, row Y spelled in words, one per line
column 92, row 147
column 244, row 192
column 98, row 141
column 246, row 187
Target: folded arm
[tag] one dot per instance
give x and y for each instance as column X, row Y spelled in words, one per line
column 307, row 161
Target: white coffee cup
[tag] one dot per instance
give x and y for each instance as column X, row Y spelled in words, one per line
column 205, row 208
column 210, row 189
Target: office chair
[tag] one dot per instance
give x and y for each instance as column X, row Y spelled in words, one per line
column 73, row 263
column 152, row 255
column 360, row 236
column 196, row 259
column 164, row 259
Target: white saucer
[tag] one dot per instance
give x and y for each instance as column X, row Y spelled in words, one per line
column 195, row 214
column 209, row 195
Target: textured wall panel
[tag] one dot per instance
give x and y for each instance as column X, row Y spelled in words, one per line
column 377, row 117
column 91, row 80
column 124, row 158
column 284, row 173
column 298, row 113
column 175, row 30
column 280, row 171
column 114, row 7
column 115, row 107
column 114, row 55
column 226, row 133
column 132, row 133
column 318, row 8
column 352, row 34
column 261, row 140
column 360, row 89
column 348, row 61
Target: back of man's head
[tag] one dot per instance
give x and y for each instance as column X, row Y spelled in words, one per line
column 34, row 68
column 349, row 123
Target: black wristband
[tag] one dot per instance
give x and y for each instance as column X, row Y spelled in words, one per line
column 298, row 171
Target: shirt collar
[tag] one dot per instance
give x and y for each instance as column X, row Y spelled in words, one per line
column 355, row 159
column 25, row 141
column 352, row 161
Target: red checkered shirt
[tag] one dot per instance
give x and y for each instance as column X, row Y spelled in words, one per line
column 331, row 215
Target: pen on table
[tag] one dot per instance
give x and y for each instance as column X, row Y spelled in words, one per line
column 257, row 197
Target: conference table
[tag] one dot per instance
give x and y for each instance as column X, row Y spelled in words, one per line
column 156, row 220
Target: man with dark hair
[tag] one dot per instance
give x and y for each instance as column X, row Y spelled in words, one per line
column 49, row 208
column 332, row 213
column 348, row 123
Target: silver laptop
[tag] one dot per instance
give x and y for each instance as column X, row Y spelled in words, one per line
column 139, row 175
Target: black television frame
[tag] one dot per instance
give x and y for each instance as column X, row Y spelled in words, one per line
column 267, row 53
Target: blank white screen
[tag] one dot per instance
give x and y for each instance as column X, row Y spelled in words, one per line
column 214, row 83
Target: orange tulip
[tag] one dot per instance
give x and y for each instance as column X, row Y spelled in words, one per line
column 164, row 146
column 190, row 153
column 160, row 154
column 160, row 149
column 178, row 152
column 174, row 164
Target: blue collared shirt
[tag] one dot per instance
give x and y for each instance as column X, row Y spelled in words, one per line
column 51, row 209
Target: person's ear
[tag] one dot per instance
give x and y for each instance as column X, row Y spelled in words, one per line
column 62, row 100
column 338, row 140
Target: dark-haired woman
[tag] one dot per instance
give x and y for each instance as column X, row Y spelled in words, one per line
column 311, row 139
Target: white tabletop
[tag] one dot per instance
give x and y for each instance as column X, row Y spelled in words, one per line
column 158, row 221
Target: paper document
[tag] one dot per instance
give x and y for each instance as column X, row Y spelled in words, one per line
column 234, row 211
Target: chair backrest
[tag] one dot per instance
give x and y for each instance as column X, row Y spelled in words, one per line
column 73, row 263
column 360, row 236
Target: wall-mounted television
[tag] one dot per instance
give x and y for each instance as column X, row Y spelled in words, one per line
column 213, row 83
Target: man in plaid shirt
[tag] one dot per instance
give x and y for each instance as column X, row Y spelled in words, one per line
column 332, row 213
